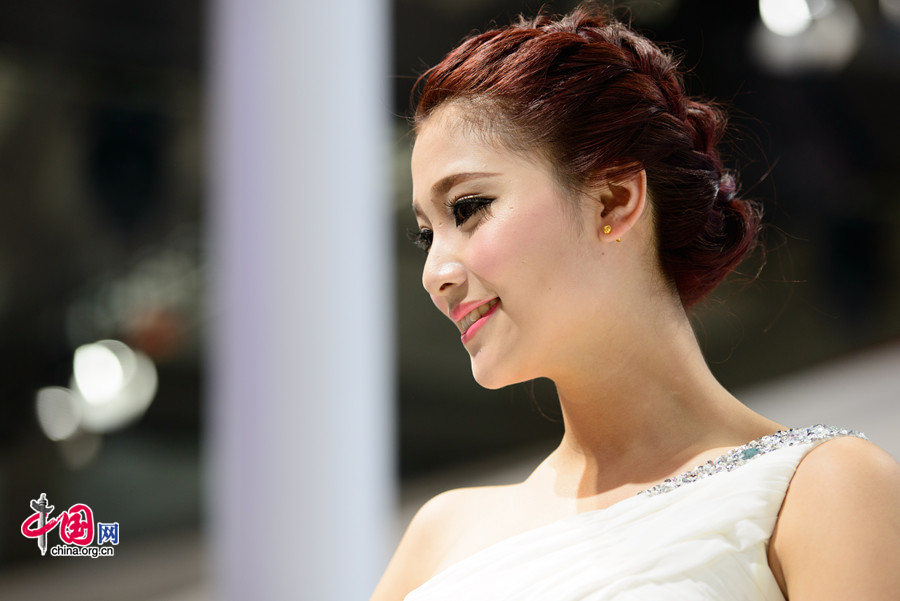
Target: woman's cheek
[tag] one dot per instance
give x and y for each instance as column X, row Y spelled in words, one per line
column 512, row 244
column 493, row 253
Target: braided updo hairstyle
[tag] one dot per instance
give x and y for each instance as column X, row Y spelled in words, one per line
column 599, row 101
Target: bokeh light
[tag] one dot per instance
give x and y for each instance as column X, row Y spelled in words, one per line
column 58, row 412
column 785, row 17
column 827, row 41
column 114, row 383
column 100, row 370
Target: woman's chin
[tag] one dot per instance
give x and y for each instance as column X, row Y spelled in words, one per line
column 491, row 383
column 488, row 374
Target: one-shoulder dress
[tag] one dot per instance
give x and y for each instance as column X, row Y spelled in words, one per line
column 702, row 535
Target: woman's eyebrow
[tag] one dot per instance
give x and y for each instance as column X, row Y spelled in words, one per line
column 445, row 184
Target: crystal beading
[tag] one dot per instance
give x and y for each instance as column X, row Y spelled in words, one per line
column 747, row 452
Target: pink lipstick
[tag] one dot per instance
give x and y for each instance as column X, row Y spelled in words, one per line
column 473, row 329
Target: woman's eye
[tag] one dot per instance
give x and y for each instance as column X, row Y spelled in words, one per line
column 462, row 210
column 421, row 238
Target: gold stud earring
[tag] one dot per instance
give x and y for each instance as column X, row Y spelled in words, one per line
column 618, row 239
column 607, row 229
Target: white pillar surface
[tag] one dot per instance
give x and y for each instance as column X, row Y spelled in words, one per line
column 299, row 413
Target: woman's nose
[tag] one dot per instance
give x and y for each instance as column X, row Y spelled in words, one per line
column 441, row 272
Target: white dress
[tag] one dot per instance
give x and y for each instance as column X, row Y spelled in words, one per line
column 702, row 535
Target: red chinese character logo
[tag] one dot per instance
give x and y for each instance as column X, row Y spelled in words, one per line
column 30, row 532
column 76, row 526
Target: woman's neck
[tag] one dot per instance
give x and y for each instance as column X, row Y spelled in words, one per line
column 647, row 398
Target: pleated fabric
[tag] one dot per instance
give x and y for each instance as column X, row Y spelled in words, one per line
column 706, row 539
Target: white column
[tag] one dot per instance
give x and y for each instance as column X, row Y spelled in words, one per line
column 299, row 406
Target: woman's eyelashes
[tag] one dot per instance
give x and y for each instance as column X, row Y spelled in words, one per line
column 421, row 238
column 461, row 209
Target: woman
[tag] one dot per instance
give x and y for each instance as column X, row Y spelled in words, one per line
column 573, row 206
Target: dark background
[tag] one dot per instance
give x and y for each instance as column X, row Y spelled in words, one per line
column 102, row 191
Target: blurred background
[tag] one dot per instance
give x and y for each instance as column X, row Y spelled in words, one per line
column 105, row 265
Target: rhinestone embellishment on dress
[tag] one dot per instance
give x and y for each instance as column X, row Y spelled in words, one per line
column 742, row 454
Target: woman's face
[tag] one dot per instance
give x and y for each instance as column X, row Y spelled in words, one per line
column 521, row 248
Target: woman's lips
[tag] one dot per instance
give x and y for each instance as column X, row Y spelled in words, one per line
column 473, row 329
column 458, row 312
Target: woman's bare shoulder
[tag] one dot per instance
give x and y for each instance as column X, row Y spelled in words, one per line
column 426, row 539
column 455, row 507
column 838, row 532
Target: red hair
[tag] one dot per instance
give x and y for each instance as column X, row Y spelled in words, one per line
column 599, row 101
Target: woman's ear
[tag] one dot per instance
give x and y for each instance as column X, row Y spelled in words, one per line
column 622, row 201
